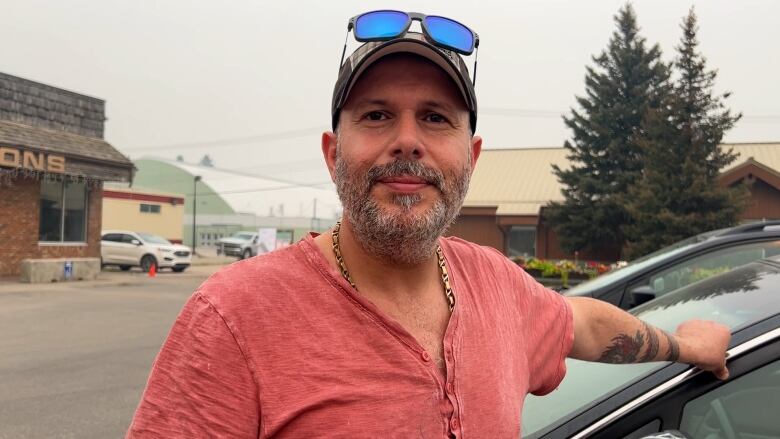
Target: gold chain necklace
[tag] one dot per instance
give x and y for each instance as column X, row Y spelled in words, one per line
column 445, row 278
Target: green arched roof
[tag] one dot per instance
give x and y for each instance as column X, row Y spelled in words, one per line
column 167, row 177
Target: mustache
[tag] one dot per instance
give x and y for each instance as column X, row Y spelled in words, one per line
column 400, row 167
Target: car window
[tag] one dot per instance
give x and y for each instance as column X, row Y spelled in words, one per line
column 623, row 274
column 113, row 237
column 739, row 297
column 153, row 239
column 127, row 239
column 710, row 264
column 743, row 408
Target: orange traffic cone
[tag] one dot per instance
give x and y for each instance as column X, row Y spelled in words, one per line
column 153, row 270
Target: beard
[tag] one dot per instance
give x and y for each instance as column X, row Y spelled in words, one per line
column 398, row 233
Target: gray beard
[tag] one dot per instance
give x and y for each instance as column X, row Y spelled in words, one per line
column 402, row 237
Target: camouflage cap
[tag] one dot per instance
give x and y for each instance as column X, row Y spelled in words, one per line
column 369, row 53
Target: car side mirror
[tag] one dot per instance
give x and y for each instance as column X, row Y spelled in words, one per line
column 254, row 241
column 135, row 242
column 642, row 294
column 667, row 434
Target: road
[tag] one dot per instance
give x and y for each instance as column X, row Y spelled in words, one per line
column 74, row 357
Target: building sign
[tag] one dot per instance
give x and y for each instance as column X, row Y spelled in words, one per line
column 36, row 161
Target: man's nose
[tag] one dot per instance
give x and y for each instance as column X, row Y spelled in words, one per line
column 408, row 141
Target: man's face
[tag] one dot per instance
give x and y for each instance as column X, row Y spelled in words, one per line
column 403, row 155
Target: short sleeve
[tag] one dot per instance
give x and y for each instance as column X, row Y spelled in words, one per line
column 549, row 329
column 200, row 384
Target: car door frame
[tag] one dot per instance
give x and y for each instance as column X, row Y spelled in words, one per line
column 617, row 415
column 625, row 299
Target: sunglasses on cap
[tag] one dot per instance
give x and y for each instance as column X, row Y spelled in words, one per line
column 440, row 31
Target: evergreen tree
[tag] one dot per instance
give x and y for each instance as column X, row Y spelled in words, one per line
column 678, row 195
column 605, row 155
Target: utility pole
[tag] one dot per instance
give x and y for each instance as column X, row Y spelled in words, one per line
column 194, row 211
column 314, row 216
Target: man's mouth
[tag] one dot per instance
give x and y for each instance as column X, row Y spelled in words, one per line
column 404, row 183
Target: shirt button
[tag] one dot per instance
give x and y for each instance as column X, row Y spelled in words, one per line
column 454, row 424
column 426, row 357
column 450, row 388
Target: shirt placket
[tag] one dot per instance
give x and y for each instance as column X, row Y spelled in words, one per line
column 452, row 416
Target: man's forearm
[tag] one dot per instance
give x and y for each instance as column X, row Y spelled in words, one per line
column 605, row 333
column 648, row 343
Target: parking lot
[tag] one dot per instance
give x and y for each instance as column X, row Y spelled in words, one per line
column 76, row 355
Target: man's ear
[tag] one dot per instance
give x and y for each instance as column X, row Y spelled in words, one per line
column 476, row 149
column 329, row 145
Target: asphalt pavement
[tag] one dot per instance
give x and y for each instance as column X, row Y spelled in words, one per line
column 75, row 356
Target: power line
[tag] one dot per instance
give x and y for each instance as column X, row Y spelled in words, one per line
column 265, row 189
column 520, row 112
column 235, row 172
column 532, row 113
column 259, row 138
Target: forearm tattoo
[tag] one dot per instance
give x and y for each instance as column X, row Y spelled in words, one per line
column 673, row 353
column 626, row 349
column 652, row 344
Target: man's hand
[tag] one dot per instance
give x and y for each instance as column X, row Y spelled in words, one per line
column 703, row 344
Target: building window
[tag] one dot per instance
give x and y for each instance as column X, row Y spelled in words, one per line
column 63, row 215
column 150, row 208
column 522, row 241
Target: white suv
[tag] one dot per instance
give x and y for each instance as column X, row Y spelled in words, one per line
column 128, row 249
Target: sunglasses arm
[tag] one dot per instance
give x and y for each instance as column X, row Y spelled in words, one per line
column 344, row 50
column 474, row 79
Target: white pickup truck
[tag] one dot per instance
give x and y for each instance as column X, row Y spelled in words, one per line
column 242, row 244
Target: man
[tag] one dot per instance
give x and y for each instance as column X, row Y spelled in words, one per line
column 382, row 328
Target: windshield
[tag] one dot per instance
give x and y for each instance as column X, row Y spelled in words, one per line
column 153, row 239
column 244, row 236
column 737, row 298
column 637, row 265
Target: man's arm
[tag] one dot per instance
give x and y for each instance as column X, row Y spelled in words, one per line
column 605, row 333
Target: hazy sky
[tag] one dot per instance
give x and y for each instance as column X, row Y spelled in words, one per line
column 208, row 72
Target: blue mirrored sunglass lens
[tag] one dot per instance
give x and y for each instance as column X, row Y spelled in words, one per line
column 380, row 24
column 450, row 33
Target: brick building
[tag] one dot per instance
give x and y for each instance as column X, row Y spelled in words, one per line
column 53, row 162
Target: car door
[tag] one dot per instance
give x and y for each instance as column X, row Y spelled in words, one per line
column 696, row 268
column 108, row 247
column 128, row 250
column 746, row 406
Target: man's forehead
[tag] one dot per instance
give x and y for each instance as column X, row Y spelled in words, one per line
column 406, row 70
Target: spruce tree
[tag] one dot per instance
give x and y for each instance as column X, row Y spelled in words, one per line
column 606, row 159
column 678, row 195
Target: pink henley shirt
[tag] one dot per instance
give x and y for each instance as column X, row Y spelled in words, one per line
column 281, row 346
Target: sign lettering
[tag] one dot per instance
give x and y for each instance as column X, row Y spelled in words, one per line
column 37, row 161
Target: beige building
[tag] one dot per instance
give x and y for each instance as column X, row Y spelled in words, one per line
column 510, row 188
column 147, row 211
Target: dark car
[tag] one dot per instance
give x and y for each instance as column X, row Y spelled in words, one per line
column 597, row 400
column 683, row 263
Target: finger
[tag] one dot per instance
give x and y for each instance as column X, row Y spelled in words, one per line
column 722, row 373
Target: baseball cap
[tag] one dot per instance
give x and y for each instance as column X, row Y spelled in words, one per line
column 412, row 42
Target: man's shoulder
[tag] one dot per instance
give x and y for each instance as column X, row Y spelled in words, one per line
column 460, row 248
column 257, row 279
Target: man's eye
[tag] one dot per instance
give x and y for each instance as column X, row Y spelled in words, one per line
column 375, row 115
column 436, row 118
